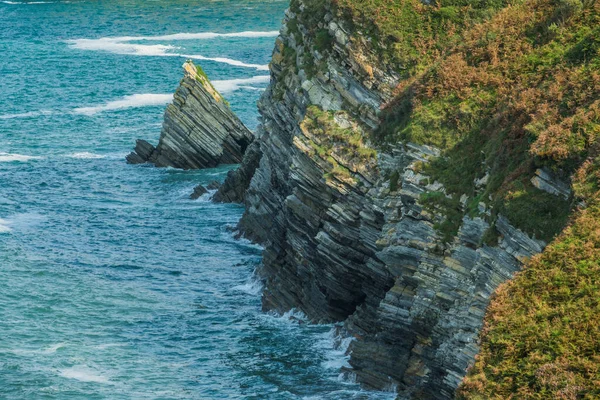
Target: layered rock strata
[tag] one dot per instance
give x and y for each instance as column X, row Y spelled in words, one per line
column 346, row 235
column 199, row 129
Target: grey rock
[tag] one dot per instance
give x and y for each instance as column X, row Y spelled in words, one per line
column 547, row 181
column 142, row 152
column 349, row 249
column 199, row 128
column 214, row 185
column 238, row 180
column 198, row 191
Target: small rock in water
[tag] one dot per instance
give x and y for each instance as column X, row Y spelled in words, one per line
column 142, row 153
column 214, row 185
column 198, row 191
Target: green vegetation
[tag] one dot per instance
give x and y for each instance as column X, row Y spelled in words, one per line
column 517, row 92
column 541, row 214
column 409, row 34
column 542, row 331
column 394, row 178
column 328, row 137
column 450, row 207
column 502, row 87
column 203, row 79
column 201, row 73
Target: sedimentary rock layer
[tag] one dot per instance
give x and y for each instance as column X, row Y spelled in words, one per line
column 199, row 129
column 346, row 236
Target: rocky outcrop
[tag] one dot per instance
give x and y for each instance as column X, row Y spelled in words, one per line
column 238, row 180
column 346, row 235
column 546, row 180
column 198, row 191
column 199, row 129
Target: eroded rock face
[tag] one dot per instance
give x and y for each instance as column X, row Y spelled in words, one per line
column 199, row 129
column 345, row 243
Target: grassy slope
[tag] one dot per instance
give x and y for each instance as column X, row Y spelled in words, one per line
column 542, row 333
column 505, row 88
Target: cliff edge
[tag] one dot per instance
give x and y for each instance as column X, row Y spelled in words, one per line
column 406, row 167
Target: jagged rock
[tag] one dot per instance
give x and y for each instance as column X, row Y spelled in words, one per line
column 214, row 185
column 199, row 128
column 545, row 180
column 142, row 152
column 198, row 191
column 237, row 181
column 346, row 248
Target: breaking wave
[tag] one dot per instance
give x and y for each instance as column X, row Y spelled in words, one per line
column 123, row 45
column 132, row 101
column 8, row 157
column 231, row 85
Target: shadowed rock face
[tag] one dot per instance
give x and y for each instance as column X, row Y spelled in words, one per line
column 199, row 129
column 344, row 244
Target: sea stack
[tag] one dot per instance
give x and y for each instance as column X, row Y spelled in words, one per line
column 199, row 128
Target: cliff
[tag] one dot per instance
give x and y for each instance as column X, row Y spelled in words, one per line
column 199, row 128
column 395, row 185
column 348, row 235
column 411, row 159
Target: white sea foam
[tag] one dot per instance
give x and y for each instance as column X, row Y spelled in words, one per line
column 4, row 226
column 27, row 2
column 109, row 345
column 133, row 101
column 113, row 45
column 253, row 287
column 123, row 45
column 295, row 315
column 192, row 36
column 53, row 348
column 83, row 374
column 224, row 60
column 231, row 85
column 29, row 114
column 336, row 349
column 8, row 157
column 85, row 155
column 23, row 221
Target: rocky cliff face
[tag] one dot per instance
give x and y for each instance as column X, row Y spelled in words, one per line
column 199, row 129
column 347, row 232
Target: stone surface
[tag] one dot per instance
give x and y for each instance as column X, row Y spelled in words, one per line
column 345, row 246
column 547, row 181
column 214, row 185
column 142, row 152
column 199, row 129
column 198, row 191
column 238, row 180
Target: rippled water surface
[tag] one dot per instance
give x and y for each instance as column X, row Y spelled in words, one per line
column 113, row 284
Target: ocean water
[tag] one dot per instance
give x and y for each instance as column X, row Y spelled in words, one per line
column 113, row 284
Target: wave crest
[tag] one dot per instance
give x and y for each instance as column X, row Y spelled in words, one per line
column 85, row 155
column 231, row 85
column 132, row 101
column 8, row 157
column 83, row 374
column 122, row 45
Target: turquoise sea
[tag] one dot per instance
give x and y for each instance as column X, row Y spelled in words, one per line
column 113, row 284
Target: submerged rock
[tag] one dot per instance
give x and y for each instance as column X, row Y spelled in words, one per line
column 199, row 129
column 198, row 191
column 214, row 185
